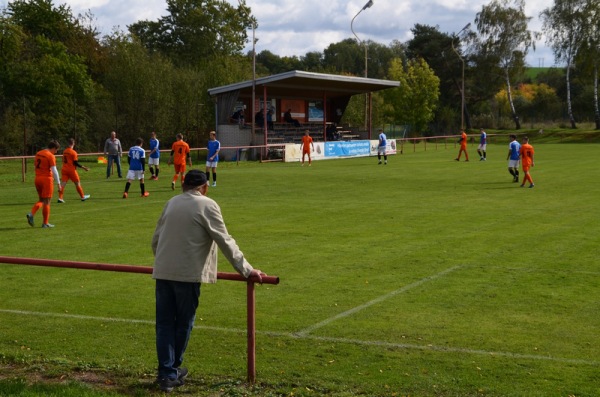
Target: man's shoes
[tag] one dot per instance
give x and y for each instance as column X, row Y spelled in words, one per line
column 385, row 162
column 379, row 162
column 182, row 373
column 532, row 185
column 30, row 219
column 146, row 194
column 47, row 225
column 215, row 183
column 60, row 201
column 125, row 195
column 457, row 159
column 167, row 385
column 172, row 185
column 85, row 197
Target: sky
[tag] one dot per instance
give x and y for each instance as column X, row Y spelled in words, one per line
column 295, row 27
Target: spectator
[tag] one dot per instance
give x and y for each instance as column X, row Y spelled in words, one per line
column 287, row 116
column 113, row 151
column 185, row 244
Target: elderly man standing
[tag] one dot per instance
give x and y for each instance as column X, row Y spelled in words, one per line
column 113, row 151
column 185, row 243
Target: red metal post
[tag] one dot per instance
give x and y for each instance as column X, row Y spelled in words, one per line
column 251, row 329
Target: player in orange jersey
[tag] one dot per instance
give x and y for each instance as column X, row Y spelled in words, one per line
column 69, row 171
column 305, row 146
column 180, row 155
column 463, row 146
column 526, row 153
column 45, row 175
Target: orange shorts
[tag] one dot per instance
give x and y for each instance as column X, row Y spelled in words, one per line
column 180, row 168
column 67, row 175
column 526, row 168
column 44, row 187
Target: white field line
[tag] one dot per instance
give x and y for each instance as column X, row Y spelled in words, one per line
column 358, row 342
column 382, row 298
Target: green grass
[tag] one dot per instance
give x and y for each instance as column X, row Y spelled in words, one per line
column 425, row 277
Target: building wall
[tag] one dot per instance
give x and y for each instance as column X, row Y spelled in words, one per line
column 231, row 135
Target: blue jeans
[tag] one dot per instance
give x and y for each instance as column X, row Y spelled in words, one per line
column 176, row 304
column 117, row 159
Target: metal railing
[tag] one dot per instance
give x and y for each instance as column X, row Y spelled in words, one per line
column 250, row 293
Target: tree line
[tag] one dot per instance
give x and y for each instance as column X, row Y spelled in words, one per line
column 60, row 78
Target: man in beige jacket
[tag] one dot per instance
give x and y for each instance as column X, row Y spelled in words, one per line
column 185, row 243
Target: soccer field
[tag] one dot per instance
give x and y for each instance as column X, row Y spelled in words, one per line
column 423, row 277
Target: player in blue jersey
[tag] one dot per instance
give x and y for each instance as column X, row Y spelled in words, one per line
column 482, row 145
column 137, row 165
column 212, row 159
column 154, row 157
column 513, row 157
column 382, row 147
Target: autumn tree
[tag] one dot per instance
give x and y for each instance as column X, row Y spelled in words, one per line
column 564, row 26
column 503, row 35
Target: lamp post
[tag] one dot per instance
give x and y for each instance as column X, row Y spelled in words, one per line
column 253, row 107
column 462, row 90
column 368, row 5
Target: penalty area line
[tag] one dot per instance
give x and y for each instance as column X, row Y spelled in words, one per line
column 382, row 298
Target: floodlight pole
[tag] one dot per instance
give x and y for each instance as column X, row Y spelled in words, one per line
column 368, row 5
column 253, row 82
column 462, row 90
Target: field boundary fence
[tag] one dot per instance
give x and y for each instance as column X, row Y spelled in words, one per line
column 250, row 292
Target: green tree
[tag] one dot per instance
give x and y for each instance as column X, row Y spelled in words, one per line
column 435, row 48
column 588, row 58
column 564, row 26
column 415, row 100
column 345, row 57
column 196, row 29
column 503, row 34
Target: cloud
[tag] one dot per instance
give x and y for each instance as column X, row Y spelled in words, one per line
column 291, row 27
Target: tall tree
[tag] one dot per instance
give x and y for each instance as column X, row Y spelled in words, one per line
column 503, row 34
column 415, row 101
column 589, row 55
column 435, row 48
column 564, row 26
column 196, row 29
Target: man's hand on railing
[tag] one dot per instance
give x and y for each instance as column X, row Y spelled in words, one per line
column 256, row 275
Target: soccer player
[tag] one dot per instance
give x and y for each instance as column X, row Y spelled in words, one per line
column 137, row 165
column 463, row 146
column 180, row 155
column 45, row 175
column 482, row 145
column 212, row 158
column 305, row 146
column 513, row 157
column 381, row 149
column 526, row 153
column 154, row 158
column 69, row 171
